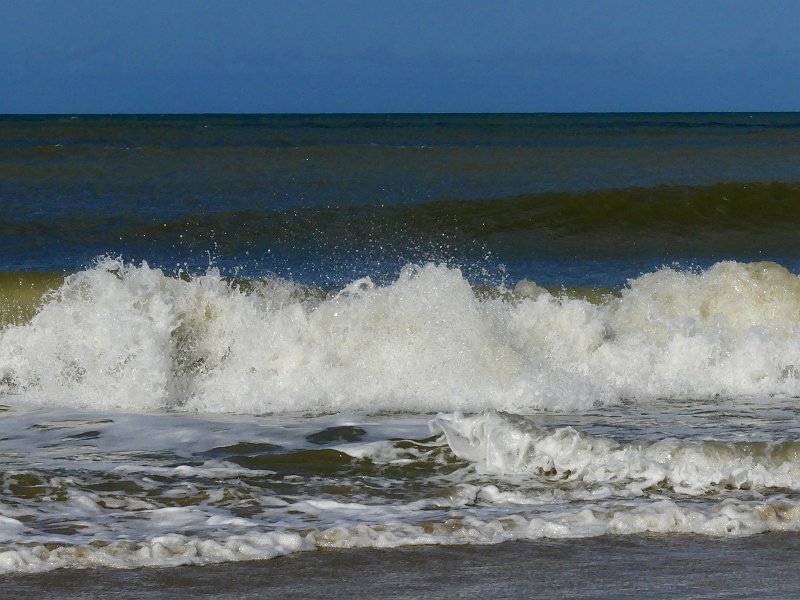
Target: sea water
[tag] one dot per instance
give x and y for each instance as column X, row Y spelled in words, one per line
column 229, row 338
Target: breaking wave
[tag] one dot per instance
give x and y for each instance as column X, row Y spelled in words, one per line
column 126, row 336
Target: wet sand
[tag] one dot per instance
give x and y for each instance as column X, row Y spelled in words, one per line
column 631, row 567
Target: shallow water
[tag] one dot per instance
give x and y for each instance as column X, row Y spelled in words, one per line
column 89, row 489
column 617, row 567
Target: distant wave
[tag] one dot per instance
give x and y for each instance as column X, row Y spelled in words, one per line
column 697, row 220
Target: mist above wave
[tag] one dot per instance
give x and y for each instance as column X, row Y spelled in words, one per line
column 123, row 336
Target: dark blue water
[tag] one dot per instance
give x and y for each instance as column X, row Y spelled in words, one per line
column 586, row 200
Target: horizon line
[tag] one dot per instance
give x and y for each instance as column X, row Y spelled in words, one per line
column 395, row 113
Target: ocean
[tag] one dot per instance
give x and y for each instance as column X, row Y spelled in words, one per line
column 308, row 350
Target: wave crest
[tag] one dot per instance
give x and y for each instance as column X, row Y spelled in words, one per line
column 124, row 336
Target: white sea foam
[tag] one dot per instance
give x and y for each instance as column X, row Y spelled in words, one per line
column 660, row 517
column 129, row 337
column 161, row 551
column 501, row 444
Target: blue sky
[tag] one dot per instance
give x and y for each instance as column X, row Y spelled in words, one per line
column 77, row 56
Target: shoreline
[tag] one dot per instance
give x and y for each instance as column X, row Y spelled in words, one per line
column 762, row 566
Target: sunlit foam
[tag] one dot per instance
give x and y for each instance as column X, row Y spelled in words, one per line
column 130, row 337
